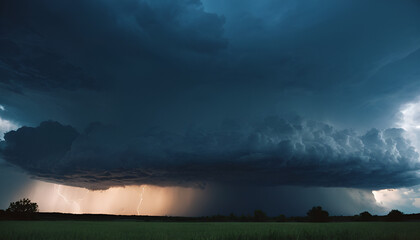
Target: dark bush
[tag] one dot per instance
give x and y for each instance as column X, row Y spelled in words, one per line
column 23, row 206
column 317, row 214
column 23, row 209
column 395, row 215
column 260, row 216
column 365, row 216
column 280, row 218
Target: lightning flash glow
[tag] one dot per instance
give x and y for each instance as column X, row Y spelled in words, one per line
column 141, row 200
column 74, row 203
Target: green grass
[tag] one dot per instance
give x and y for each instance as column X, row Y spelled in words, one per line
column 205, row 231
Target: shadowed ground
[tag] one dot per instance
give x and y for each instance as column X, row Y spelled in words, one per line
column 178, row 230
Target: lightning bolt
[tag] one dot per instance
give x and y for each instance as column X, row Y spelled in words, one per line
column 141, row 200
column 71, row 202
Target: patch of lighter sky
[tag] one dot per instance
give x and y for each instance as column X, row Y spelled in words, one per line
column 158, row 201
column 405, row 199
column 410, row 122
column 6, row 126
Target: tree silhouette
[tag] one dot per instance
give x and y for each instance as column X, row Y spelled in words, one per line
column 281, row 218
column 23, row 206
column 316, row 214
column 365, row 216
column 260, row 216
column 395, row 215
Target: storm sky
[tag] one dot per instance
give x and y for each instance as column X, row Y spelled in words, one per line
column 277, row 105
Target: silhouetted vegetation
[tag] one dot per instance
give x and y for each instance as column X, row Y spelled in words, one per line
column 23, row 206
column 317, row 214
column 365, row 216
column 395, row 215
column 23, row 209
column 281, row 218
column 260, row 216
column 233, row 216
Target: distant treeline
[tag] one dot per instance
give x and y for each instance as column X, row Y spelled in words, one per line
column 24, row 209
column 4, row 215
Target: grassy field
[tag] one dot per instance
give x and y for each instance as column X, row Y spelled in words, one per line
column 155, row 230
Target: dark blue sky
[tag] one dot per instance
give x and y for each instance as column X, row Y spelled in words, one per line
column 190, row 93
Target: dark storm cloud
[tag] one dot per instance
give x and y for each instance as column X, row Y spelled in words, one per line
column 142, row 59
column 323, row 58
column 175, row 64
column 46, row 45
column 23, row 65
column 270, row 153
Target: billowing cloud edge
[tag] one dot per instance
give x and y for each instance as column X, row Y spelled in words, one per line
column 273, row 152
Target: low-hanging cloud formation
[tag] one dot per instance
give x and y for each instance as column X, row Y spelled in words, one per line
column 136, row 64
column 272, row 152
